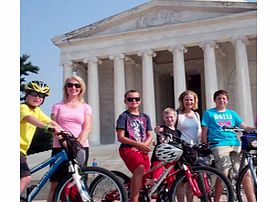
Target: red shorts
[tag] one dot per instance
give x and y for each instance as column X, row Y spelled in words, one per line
column 133, row 158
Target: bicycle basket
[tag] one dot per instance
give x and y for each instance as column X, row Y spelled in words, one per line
column 189, row 155
column 249, row 141
column 76, row 150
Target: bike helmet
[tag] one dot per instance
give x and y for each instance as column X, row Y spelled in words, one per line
column 168, row 153
column 37, row 86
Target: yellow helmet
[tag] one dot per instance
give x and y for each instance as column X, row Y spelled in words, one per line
column 37, row 86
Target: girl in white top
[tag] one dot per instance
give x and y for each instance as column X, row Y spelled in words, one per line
column 188, row 121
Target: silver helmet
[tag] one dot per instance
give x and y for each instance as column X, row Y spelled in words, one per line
column 168, row 153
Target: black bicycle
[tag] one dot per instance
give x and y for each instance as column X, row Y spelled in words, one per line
column 246, row 176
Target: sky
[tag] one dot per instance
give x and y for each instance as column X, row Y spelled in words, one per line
column 42, row 20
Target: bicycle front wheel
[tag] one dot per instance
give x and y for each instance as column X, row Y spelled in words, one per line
column 114, row 189
column 211, row 183
column 245, row 182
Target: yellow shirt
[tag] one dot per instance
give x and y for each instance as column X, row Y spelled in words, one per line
column 27, row 130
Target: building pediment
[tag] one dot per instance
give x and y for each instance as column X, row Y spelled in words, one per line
column 157, row 14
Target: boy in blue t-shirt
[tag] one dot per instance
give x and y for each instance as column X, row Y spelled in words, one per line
column 226, row 152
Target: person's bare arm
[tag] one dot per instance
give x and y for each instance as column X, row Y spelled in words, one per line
column 33, row 120
column 141, row 146
column 86, row 129
column 246, row 127
column 204, row 136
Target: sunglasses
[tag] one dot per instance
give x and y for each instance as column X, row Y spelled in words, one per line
column 35, row 94
column 130, row 99
column 70, row 85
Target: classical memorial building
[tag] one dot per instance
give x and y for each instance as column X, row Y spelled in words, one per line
column 162, row 48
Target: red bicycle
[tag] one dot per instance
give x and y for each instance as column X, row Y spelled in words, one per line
column 188, row 165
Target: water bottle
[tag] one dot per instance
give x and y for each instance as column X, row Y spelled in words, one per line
column 94, row 163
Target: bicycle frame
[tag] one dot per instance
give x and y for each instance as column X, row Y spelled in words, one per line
column 57, row 160
column 187, row 172
column 246, row 155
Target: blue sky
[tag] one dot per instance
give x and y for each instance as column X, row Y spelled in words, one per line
column 41, row 20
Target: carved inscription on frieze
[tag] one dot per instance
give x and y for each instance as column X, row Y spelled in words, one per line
column 163, row 17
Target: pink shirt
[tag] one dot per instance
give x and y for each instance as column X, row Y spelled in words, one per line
column 70, row 119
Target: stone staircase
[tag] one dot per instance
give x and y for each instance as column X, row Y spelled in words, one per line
column 106, row 156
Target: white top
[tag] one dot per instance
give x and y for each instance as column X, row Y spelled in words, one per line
column 190, row 127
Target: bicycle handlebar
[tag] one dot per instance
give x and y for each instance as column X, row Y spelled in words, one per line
column 237, row 129
column 52, row 130
column 202, row 145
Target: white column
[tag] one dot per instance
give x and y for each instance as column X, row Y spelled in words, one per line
column 93, row 98
column 67, row 70
column 148, row 92
column 130, row 73
column 210, row 73
column 119, row 86
column 179, row 73
column 243, row 87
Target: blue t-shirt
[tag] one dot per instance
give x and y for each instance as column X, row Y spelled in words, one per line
column 214, row 120
column 135, row 126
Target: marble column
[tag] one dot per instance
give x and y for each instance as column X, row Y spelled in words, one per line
column 93, row 98
column 210, row 73
column 148, row 91
column 179, row 73
column 130, row 73
column 243, row 87
column 119, row 85
column 67, row 70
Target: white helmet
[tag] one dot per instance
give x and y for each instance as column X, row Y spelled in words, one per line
column 168, row 153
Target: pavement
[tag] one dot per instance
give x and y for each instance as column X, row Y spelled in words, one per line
column 106, row 156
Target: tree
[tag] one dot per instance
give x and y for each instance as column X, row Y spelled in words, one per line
column 26, row 68
column 42, row 140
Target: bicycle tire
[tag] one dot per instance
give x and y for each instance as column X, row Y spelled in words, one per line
column 89, row 174
column 239, row 187
column 211, row 174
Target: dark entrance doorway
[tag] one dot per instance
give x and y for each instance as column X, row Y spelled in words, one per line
column 194, row 84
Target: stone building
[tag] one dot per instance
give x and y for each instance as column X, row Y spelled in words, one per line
column 162, row 48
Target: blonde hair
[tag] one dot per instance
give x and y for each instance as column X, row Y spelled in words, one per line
column 83, row 88
column 169, row 110
column 182, row 96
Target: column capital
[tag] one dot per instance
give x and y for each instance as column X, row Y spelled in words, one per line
column 146, row 51
column 92, row 59
column 67, row 63
column 178, row 48
column 119, row 56
column 130, row 60
column 243, row 39
column 208, row 44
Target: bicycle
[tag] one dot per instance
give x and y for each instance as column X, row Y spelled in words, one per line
column 248, row 163
column 73, row 187
column 186, row 165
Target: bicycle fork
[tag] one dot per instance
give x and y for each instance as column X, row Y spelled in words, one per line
column 79, row 183
column 193, row 182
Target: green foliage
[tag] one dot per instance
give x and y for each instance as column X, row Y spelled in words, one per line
column 26, row 68
column 42, row 141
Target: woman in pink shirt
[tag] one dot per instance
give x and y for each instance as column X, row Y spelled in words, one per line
column 75, row 116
